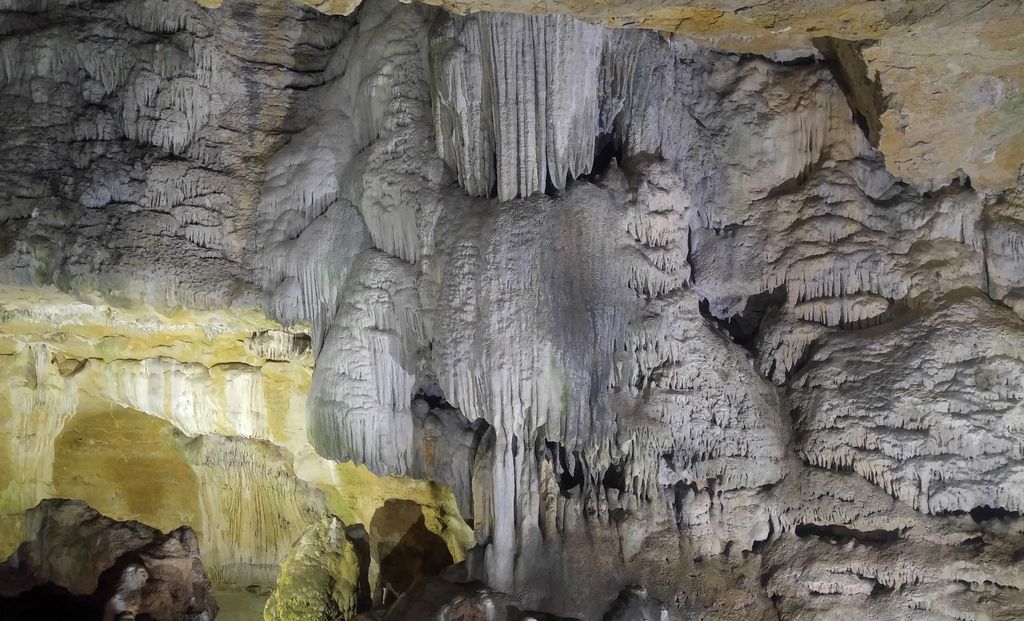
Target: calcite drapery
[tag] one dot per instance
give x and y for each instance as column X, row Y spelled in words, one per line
column 653, row 296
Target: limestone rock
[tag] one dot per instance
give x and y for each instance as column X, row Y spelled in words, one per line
column 940, row 431
column 333, row 572
column 78, row 562
column 972, row 124
column 208, row 408
column 442, row 600
column 319, row 581
column 634, row 605
column 732, row 314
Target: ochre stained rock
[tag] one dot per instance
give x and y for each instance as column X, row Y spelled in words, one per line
column 319, row 580
column 128, row 464
column 178, row 417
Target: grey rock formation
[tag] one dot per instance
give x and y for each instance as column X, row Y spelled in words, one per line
column 439, row 599
column 134, row 135
column 79, row 564
column 659, row 314
column 633, row 603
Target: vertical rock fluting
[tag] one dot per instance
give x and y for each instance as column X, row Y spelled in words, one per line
column 515, row 100
column 135, row 139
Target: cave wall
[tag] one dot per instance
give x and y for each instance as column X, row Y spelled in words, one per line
column 671, row 304
column 188, row 417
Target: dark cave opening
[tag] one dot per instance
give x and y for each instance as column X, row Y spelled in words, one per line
column 407, row 549
column 50, row 601
column 744, row 326
column 986, row 513
column 838, row 534
column 614, row 478
column 607, row 148
column 567, row 481
column 418, row 553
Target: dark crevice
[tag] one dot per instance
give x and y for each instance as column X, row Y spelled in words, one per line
column 880, row 590
column 760, row 544
column 550, row 190
column 360, row 540
column 681, row 491
column 863, row 92
column 494, row 183
column 972, row 586
column 614, row 478
column 983, row 513
column 799, row 61
column 304, row 341
column 837, row 534
column 791, row 185
column 986, row 513
column 743, row 327
column 796, row 416
column 618, row 516
column 960, row 184
column 886, row 316
column 799, row 363
column 435, row 399
column 607, row 149
column 567, row 481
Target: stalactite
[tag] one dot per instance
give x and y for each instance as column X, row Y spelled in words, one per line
column 521, row 91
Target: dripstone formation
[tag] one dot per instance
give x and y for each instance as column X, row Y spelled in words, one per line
column 677, row 326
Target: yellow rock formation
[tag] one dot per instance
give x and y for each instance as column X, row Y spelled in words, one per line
column 319, row 580
column 178, row 418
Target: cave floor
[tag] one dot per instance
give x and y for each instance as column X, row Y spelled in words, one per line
column 238, row 605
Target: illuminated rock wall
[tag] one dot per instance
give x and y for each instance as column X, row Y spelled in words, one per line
column 733, row 316
column 191, row 418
